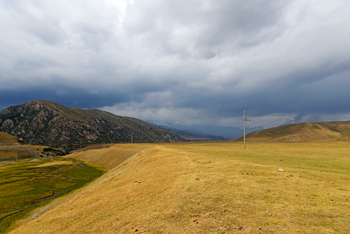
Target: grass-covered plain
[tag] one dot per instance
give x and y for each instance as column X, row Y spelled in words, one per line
column 25, row 185
column 210, row 187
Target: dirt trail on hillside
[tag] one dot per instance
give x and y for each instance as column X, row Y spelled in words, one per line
column 55, row 163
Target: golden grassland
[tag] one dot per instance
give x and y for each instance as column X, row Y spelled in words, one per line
column 211, row 187
column 10, row 151
column 108, row 157
column 7, row 145
column 7, row 139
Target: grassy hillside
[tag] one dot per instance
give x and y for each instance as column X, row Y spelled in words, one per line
column 26, row 185
column 7, row 139
column 303, row 132
column 110, row 157
column 12, row 149
column 208, row 188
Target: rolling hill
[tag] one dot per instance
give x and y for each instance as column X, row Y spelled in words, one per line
column 48, row 123
column 206, row 187
column 12, row 148
column 303, row 132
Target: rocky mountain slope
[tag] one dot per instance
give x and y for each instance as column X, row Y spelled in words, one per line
column 303, row 132
column 48, row 123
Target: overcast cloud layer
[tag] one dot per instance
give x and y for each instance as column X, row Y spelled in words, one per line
column 187, row 62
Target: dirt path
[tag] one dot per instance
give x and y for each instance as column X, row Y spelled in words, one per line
column 55, row 163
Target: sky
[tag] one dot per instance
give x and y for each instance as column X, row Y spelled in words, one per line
column 176, row 62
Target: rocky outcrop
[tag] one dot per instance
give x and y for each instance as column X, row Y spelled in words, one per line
column 48, row 123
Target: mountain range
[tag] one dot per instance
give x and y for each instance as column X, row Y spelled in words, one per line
column 47, row 123
column 197, row 136
column 214, row 132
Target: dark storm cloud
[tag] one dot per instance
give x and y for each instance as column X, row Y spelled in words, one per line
column 66, row 96
column 204, row 28
column 242, row 25
column 185, row 62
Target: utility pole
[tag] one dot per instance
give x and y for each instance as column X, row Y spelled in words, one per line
column 132, row 137
column 244, row 120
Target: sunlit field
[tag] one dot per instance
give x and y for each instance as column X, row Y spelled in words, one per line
column 210, row 187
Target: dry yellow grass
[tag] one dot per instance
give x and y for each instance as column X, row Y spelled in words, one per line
column 108, row 157
column 7, row 139
column 11, row 150
column 208, row 188
column 7, row 143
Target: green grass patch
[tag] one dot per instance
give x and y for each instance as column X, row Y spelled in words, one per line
column 24, row 187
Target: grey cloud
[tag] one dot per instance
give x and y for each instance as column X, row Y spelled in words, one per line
column 243, row 25
column 69, row 96
column 96, row 32
column 48, row 31
column 65, row 22
column 34, row 62
column 30, row 18
column 208, row 27
column 191, row 61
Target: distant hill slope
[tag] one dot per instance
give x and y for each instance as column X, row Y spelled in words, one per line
column 7, row 139
column 192, row 135
column 48, row 123
column 198, row 136
column 12, row 148
column 303, row 132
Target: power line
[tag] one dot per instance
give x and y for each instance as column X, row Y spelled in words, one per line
column 244, row 120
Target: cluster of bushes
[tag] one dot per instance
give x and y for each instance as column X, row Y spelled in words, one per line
column 57, row 152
